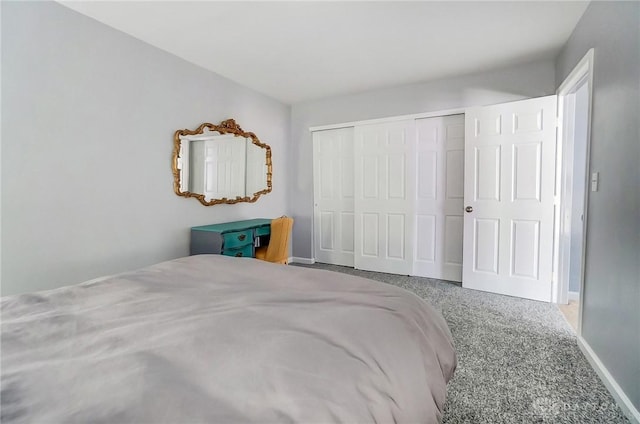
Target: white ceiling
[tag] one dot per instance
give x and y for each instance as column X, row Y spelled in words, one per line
column 297, row 51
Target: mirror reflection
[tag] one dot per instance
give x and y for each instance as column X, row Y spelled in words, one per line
column 221, row 164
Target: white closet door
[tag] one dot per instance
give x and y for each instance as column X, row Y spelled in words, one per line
column 333, row 196
column 509, row 191
column 439, row 197
column 385, row 197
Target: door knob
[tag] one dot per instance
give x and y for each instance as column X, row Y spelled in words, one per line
column 468, row 209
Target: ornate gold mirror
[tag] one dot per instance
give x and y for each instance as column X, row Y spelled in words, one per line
column 220, row 164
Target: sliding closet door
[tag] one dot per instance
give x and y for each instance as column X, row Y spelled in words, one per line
column 385, row 197
column 509, row 198
column 439, row 197
column 333, row 196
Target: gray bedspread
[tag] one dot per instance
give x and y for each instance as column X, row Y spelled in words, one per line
column 216, row 339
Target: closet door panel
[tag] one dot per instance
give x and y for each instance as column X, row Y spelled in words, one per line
column 333, row 196
column 426, row 245
column 453, row 238
column 453, row 222
column 385, row 197
column 347, row 229
column 439, row 197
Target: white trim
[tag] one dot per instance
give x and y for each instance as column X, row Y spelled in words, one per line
column 456, row 111
column 583, row 69
column 610, row 383
column 307, row 261
column 573, row 295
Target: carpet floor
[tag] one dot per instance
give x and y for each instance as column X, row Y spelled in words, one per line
column 518, row 360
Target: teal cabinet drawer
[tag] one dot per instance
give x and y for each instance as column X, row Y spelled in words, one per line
column 237, row 239
column 263, row 231
column 244, row 252
column 214, row 238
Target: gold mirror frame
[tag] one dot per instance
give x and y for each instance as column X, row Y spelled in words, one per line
column 226, row 127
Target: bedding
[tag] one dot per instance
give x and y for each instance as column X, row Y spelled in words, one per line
column 217, row 339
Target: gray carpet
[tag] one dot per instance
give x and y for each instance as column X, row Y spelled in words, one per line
column 518, row 360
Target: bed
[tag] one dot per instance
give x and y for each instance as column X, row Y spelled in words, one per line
column 217, row 339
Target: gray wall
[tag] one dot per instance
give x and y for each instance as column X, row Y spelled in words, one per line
column 502, row 85
column 87, row 132
column 611, row 321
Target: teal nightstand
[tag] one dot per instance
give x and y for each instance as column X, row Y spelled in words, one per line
column 237, row 238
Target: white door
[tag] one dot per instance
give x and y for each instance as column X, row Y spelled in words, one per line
column 385, row 197
column 509, row 194
column 224, row 168
column 439, row 197
column 333, row 196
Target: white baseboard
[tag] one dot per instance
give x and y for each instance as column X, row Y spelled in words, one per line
column 616, row 391
column 574, row 295
column 307, row 261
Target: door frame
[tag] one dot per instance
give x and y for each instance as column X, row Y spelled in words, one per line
column 434, row 114
column 582, row 73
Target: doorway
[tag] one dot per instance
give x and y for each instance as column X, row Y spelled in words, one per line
column 574, row 97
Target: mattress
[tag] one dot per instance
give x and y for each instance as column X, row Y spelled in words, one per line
column 211, row 338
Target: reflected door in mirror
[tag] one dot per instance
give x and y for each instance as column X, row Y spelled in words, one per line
column 217, row 167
